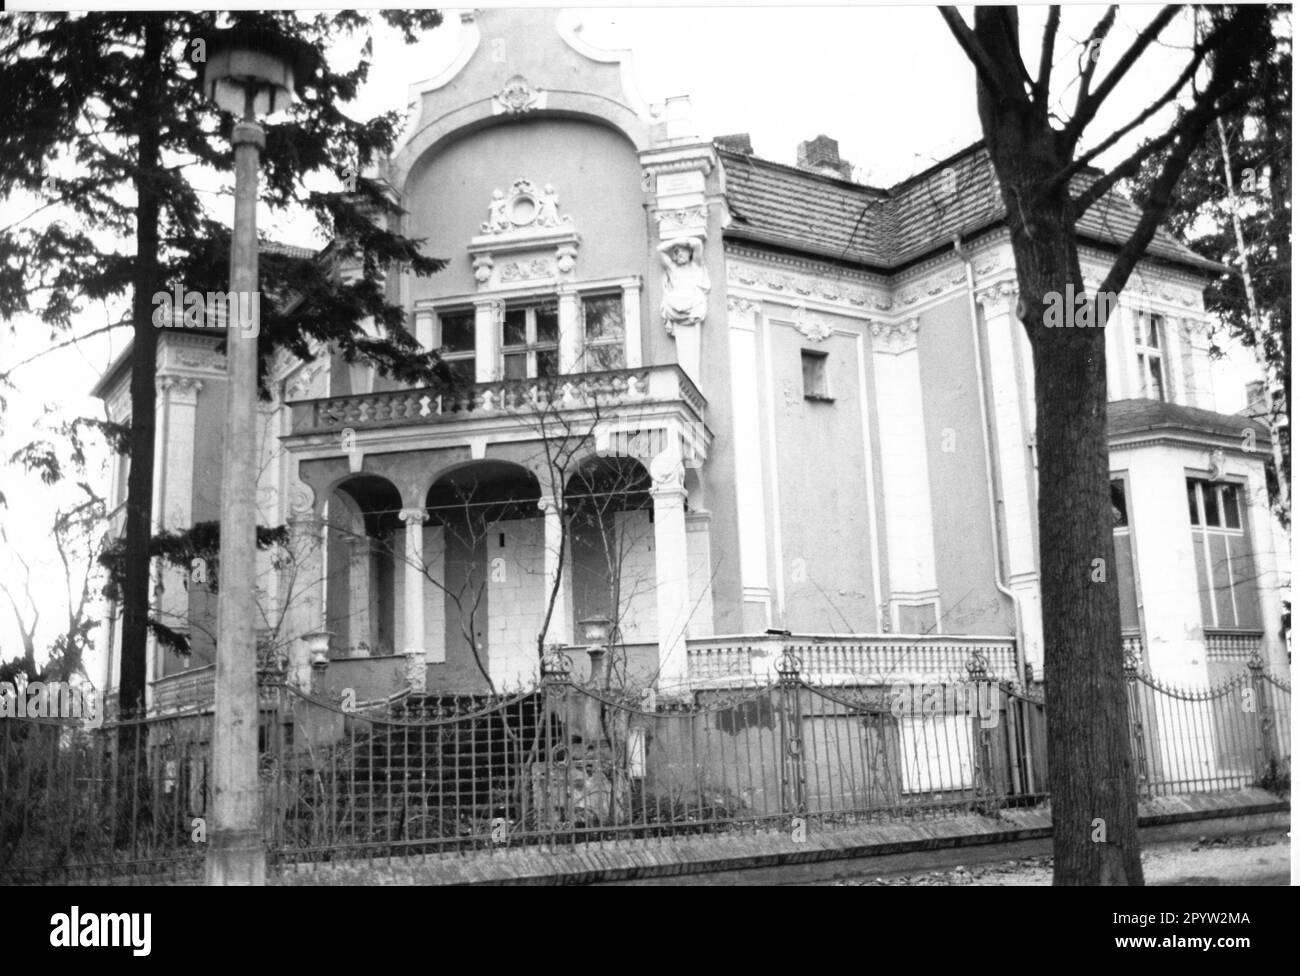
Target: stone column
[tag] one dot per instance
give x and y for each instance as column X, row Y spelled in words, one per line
column 751, row 514
column 180, row 398
column 413, row 623
column 560, row 630
column 909, row 518
column 486, row 324
column 303, row 588
column 672, row 573
column 1014, row 464
column 359, row 549
column 571, row 337
column 632, row 324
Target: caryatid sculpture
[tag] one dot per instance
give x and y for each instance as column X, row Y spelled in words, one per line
column 686, row 283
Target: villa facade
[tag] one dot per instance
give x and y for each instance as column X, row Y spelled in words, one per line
column 716, row 404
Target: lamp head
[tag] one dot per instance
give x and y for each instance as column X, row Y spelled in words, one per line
column 244, row 61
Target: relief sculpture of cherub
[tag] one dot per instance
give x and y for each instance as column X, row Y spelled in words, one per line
column 686, row 283
column 498, row 220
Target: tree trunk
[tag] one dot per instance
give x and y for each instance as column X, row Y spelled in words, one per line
column 144, row 355
column 1090, row 764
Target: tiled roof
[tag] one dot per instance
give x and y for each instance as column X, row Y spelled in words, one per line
column 1133, row 416
column 889, row 228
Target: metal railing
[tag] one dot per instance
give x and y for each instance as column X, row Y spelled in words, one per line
column 571, row 762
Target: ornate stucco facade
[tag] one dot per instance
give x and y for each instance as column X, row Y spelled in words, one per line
column 828, row 396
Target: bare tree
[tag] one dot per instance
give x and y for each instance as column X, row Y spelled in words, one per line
column 1042, row 167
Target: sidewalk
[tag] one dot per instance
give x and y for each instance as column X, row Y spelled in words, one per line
column 772, row 857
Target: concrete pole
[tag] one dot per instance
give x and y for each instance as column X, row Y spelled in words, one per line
column 236, row 855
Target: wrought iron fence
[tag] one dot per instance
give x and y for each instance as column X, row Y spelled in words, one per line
column 569, row 763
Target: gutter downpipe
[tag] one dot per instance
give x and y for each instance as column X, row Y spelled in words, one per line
column 994, row 500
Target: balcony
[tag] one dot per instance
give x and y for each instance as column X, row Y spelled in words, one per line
column 506, row 398
column 1232, row 645
column 874, row 659
column 183, row 691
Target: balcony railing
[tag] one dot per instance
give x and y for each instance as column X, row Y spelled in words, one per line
column 875, row 659
column 1231, row 645
column 184, row 690
column 521, row 398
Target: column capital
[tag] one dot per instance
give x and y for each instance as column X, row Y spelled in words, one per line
column 895, row 337
column 547, row 505
column 413, row 516
column 993, row 299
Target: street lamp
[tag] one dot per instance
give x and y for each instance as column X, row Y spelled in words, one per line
column 249, row 72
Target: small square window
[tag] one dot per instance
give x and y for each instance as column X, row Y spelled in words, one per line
column 814, row 375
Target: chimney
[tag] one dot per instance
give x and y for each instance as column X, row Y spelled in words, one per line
column 738, row 142
column 822, row 155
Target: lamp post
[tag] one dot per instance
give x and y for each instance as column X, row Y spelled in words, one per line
column 250, row 73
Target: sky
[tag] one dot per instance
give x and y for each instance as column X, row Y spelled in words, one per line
column 888, row 82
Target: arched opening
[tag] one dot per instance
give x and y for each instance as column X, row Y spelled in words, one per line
column 484, row 558
column 610, row 515
column 363, row 565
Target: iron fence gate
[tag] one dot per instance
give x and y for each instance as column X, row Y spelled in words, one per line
column 569, row 763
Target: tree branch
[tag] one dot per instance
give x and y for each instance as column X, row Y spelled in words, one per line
column 1089, row 104
column 1230, row 67
column 1043, row 84
column 1096, row 37
column 1118, row 134
column 985, row 67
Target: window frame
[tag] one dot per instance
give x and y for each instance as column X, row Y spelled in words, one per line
column 619, row 341
column 1149, row 323
column 469, row 355
column 1203, row 540
column 531, row 346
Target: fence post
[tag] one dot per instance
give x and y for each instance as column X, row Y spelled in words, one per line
column 1137, row 731
column 977, row 674
column 557, row 668
column 792, row 771
column 1265, row 714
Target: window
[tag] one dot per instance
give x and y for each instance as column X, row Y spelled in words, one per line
column 1212, row 505
column 814, row 375
column 1149, row 340
column 1125, row 576
column 1118, row 505
column 1224, row 561
column 602, row 333
column 456, row 343
column 530, row 342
